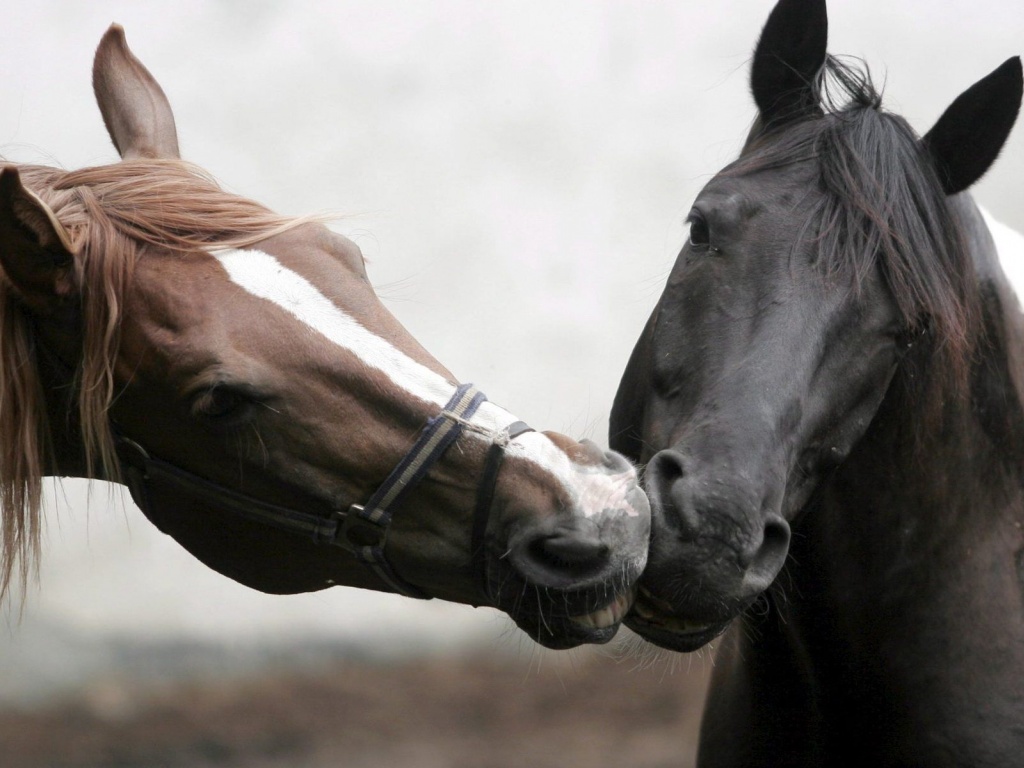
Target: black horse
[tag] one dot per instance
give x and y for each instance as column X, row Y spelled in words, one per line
column 833, row 381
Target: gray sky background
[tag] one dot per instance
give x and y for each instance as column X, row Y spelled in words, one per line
column 517, row 174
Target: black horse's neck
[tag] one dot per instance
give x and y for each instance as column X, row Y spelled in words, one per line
column 901, row 613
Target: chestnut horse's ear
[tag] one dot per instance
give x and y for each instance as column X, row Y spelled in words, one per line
column 788, row 57
column 135, row 110
column 969, row 136
column 35, row 250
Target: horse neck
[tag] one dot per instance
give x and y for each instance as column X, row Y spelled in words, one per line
column 930, row 470
column 909, row 564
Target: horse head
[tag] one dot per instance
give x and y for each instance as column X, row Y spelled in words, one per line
column 237, row 370
column 821, row 261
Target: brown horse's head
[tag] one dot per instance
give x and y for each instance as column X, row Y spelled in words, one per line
column 247, row 359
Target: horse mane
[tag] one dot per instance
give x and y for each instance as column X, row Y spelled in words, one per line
column 883, row 206
column 112, row 214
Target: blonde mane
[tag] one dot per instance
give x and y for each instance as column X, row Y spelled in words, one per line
column 111, row 214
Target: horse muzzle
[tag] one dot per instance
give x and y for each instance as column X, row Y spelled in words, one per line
column 716, row 545
column 566, row 569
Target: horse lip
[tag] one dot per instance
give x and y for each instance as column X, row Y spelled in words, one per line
column 571, row 636
column 594, row 628
column 651, row 614
column 592, row 616
column 609, row 615
column 662, row 605
column 673, row 640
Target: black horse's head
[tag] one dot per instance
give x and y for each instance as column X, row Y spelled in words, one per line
column 823, row 260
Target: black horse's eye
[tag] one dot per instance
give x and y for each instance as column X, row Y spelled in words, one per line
column 700, row 236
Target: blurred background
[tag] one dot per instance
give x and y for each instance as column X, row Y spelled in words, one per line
column 542, row 157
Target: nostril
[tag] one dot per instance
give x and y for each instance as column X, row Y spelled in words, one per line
column 775, row 546
column 616, row 462
column 590, row 452
column 670, row 494
column 663, row 470
column 564, row 550
column 563, row 555
column 768, row 558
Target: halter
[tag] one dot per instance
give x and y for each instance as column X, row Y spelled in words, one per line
column 360, row 529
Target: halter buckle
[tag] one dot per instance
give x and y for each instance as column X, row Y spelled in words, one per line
column 357, row 532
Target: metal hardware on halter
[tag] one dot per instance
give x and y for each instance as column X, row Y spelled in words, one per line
column 361, row 529
column 358, row 532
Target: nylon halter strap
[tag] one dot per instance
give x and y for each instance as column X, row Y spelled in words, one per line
column 485, row 497
column 365, row 527
column 361, row 529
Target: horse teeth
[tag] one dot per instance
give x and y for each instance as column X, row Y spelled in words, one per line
column 611, row 614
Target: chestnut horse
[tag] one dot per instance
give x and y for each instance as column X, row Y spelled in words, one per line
column 235, row 369
column 833, row 380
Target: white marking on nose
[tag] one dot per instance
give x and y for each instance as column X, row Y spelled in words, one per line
column 595, row 490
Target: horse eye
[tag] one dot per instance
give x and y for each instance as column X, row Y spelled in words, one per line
column 700, row 236
column 220, row 404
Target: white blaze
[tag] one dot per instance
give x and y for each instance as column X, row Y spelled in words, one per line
column 262, row 275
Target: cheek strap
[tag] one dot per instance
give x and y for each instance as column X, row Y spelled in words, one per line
column 485, row 499
column 160, row 488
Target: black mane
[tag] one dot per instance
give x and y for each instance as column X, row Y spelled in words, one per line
column 882, row 205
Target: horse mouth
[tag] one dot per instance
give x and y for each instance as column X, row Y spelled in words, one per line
column 610, row 615
column 559, row 632
column 656, row 621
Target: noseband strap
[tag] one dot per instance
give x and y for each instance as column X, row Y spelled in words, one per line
column 361, row 529
column 366, row 525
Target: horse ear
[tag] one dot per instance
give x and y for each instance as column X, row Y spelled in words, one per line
column 625, row 423
column 788, row 57
column 135, row 110
column 968, row 137
column 35, row 250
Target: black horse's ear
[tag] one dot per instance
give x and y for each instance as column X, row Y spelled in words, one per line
column 35, row 250
column 968, row 137
column 625, row 424
column 788, row 57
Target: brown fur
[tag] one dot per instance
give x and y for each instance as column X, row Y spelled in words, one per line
column 112, row 214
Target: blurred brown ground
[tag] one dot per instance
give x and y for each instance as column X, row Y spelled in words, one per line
column 583, row 709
